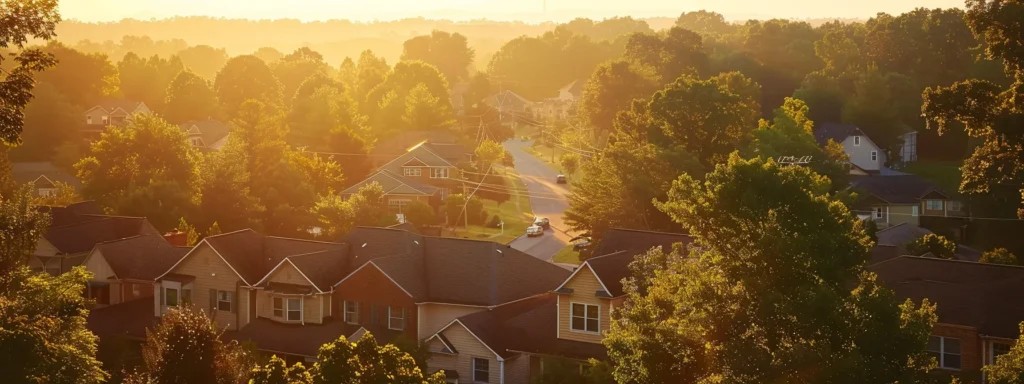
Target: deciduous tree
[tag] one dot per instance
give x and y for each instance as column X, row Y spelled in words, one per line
column 999, row 256
column 246, row 78
column 791, row 133
column 204, row 60
column 146, row 80
column 190, row 97
column 185, row 347
column 937, row 246
column 1008, row 368
column 612, row 88
column 30, row 20
column 449, row 52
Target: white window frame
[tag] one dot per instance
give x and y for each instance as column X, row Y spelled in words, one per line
column 354, row 306
column 942, row 352
column 136, row 290
column 874, row 155
column 392, row 317
column 473, row 370
column 44, row 192
column 289, row 309
column 439, row 173
column 398, row 203
column 225, row 297
column 928, row 203
column 277, row 305
column 412, row 171
column 177, row 296
column 88, row 119
column 573, row 316
column 105, row 119
column 915, row 211
column 878, row 212
column 955, row 206
column 992, row 351
column 856, row 141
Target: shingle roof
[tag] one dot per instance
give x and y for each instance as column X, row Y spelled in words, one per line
column 323, row 268
column 254, row 255
column 212, row 132
column 528, row 325
column 112, row 104
column 73, row 213
column 900, row 189
column 621, row 239
column 389, row 149
column 612, row 269
column 143, row 257
column 406, row 227
column 130, row 319
column 902, row 234
column 507, row 99
column 423, row 152
column 32, row 171
column 291, row 339
column 967, row 293
column 574, row 88
column 82, row 236
column 452, row 153
column 394, row 183
column 835, row 131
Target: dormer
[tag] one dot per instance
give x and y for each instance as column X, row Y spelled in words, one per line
column 585, row 305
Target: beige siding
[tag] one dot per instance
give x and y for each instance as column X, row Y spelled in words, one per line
column 439, row 361
column 310, row 307
column 211, row 272
column 517, row 370
column 97, row 264
column 469, row 347
column 287, row 273
column 433, row 317
column 97, row 116
column 899, row 214
column 860, row 155
column 585, row 286
column 44, row 248
column 243, row 307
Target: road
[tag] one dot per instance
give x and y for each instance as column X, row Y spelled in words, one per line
column 547, row 198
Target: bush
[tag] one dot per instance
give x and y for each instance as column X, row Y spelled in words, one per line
column 475, row 211
column 999, row 256
column 495, row 222
column 938, row 246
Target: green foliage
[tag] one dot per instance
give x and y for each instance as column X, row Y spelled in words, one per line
column 679, row 52
column 420, row 213
column 536, row 67
column 608, row 29
column 189, row 97
column 246, row 78
column 570, row 163
column 225, row 192
column 146, row 168
column 276, row 371
column 214, row 230
column 871, row 229
column 791, row 134
column 449, row 52
column 564, row 371
column 147, row 80
column 367, row 207
column 371, row 71
column 883, row 107
column 424, row 111
column 365, row 362
column 191, row 236
column 50, row 121
column 705, row 23
column 269, row 55
column 185, row 347
column 322, row 172
column 489, row 152
column 1008, row 368
column 21, row 226
column 999, row 256
column 64, row 196
column 762, row 297
column 938, row 246
column 204, row 60
column 453, row 208
column 610, row 89
column 82, row 78
column 292, row 70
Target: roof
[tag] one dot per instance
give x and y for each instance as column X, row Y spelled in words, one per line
column 621, row 239
column 405, row 227
column 129, row 319
column 904, row 233
column 323, row 268
column 967, row 293
column 110, row 105
column 835, row 132
column 394, row 183
column 423, row 153
column 612, row 269
column 507, row 99
column 529, row 325
column 34, row 171
column 452, row 153
column 574, row 88
column 396, row 146
column 73, row 213
column 143, row 257
column 882, row 252
column 898, row 189
column 253, row 255
column 212, row 132
column 291, row 339
column 82, row 236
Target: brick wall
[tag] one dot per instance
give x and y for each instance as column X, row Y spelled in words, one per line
column 970, row 345
column 375, row 291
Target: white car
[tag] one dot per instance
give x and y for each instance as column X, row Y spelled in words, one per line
column 534, row 230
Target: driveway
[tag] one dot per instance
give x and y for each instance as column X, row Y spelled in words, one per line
column 547, row 198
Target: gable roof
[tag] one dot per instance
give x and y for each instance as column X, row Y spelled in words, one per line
column 394, row 183
column 212, row 132
column 967, row 293
column 142, row 257
column 72, row 213
column 574, row 88
column 400, row 144
column 110, row 105
column 32, row 172
column 82, row 236
column 323, row 268
column 835, row 132
column 897, row 189
column 422, row 152
column 621, row 239
column 450, row 152
column 507, row 99
column 528, row 325
column 291, row 339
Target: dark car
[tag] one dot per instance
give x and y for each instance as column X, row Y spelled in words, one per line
column 560, row 179
column 581, row 244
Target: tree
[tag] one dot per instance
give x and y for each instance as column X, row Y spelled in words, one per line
column 420, row 213
column 64, row 196
column 371, row 72
column 1008, row 368
column 82, row 78
column 791, row 133
column 611, row 89
column 226, row 198
column 936, row 245
column 35, row 19
column 214, row 230
column 424, row 111
column 269, row 55
column 871, row 229
column 204, row 60
column 189, row 97
column 191, row 236
column 704, row 22
column 50, row 121
column 999, row 256
column 292, row 70
column 43, row 337
column 454, row 207
column 367, row 362
column 875, row 108
column 146, row 168
column 323, row 173
column 146, row 80
column 449, row 52
column 680, row 52
column 607, row 29
column 185, row 347
column 325, row 118
column 246, row 78
column 760, row 297
column 536, row 67
column 489, row 152
column 366, row 207
column 276, row 371
column 570, row 162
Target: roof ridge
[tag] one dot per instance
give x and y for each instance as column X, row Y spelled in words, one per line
column 126, row 238
column 313, row 253
column 303, row 240
column 649, row 231
column 232, row 233
column 890, row 227
column 80, row 223
column 608, row 255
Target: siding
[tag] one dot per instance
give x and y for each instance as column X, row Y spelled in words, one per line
column 211, row 272
column 860, row 155
column 368, row 287
column 99, row 267
column 469, row 347
column 128, row 291
column 310, row 307
column 439, row 361
column 517, row 370
column 97, row 116
column 44, row 248
column 287, row 274
column 433, row 317
column 585, row 286
column 899, row 214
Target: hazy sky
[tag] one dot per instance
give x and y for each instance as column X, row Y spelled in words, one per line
column 529, row 10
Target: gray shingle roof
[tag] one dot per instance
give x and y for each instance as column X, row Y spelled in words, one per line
column 900, row 189
column 253, row 255
column 143, row 257
column 394, row 183
column 31, row 171
column 83, row 236
column 212, row 132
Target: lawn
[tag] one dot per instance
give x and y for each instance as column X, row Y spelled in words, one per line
column 544, row 153
column 945, row 174
column 515, row 213
column 567, row 256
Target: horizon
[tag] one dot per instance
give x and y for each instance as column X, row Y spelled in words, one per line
column 101, row 11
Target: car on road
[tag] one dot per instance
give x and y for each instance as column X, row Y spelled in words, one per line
column 534, row 230
column 542, row 222
column 560, row 179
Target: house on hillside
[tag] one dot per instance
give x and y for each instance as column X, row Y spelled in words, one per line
column 865, row 155
column 977, row 318
column 560, row 107
column 207, row 135
column 125, row 269
column 111, row 112
column 442, row 142
column 43, row 177
column 892, row 200
column 418, row 174
column 71, row 236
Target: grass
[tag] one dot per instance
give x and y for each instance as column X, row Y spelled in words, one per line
column 567, row 256
column 516, row 213
column 945, row 174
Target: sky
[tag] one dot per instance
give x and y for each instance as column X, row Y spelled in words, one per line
column 526, row 10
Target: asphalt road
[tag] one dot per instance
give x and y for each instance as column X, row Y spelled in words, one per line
column 547, row 198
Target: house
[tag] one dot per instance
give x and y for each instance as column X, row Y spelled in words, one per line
column 111, row 112
column 892, row 200
column 442, row 142
column 207, row 135
column 864, row 154
column 399, row 191
column 904, row 233
column 572, row 92
column 420, row 174
column 125, row 269
column 43, row 177
column 510, row 342
column 561, row 106
column 977, row 318
column 512, row 108
column 71, row 237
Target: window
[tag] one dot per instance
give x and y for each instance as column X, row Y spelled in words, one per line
column 224, row 301
column 278, row 307
column 410, row 171
column 874, row 155
column 856, row 140
column 933, row 205
column 955, row 206
column 439, row 173
column 879, row 211
column 171, row 297
column 914, row 211
column 351, row 312
column 196, row 142
column 106, row 120
column 999, row 349
column 294, row 309
column 136, row 290
column 88, row 119
column 481, row 374
column 398, row 203
column 584, row 318
column 946, row 351
column 396, row 318
column 44, row 192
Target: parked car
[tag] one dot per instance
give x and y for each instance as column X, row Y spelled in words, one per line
column 581, row 244
column 534, row 230
column 542, row 222
column 560, row 179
